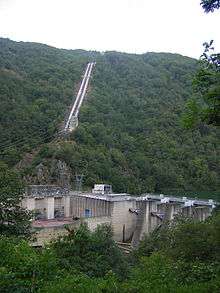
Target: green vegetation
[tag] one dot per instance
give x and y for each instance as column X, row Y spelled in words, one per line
column 93, row 253
column 182, row 256
column 130, row 133
column 37, row 84
column 205, row 105
column 210, row 5
column 14, row 220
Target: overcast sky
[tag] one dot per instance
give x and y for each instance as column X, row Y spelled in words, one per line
column 135, row 26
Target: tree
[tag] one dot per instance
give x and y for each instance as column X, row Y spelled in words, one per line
column 14, row 220
column 184, row 251
column 210, row 5
column 94, row 253
column 205, row 106
column 129, row 133
column 185, row 239
column 25, row 269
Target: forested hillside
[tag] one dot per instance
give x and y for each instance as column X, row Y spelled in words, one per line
column 37, row 84
column 130, row 133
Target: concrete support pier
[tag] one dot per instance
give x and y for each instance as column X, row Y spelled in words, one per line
column 50, row 208
column 123, row 221
column 30, row 204
column 66, row 203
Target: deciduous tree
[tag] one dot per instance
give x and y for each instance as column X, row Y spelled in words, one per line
column 14, row 220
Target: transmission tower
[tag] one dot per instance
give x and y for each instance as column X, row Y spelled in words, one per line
column 79, row 179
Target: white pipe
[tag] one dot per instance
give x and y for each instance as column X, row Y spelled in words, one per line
column 84, row 90
column 78, row 96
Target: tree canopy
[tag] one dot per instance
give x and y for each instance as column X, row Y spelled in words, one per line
column 210, row 5
column 205, row 105
column 182, row 256
column 130, row 133
column 14, row 220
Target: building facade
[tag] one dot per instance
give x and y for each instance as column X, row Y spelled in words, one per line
column 130, row 217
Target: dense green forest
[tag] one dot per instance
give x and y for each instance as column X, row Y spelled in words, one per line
column 181, row 258
column 130, row 133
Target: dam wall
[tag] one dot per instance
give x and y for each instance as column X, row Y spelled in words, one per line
column 130, row 217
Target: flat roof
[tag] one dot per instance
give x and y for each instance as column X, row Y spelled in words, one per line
column 145, row 197
column 116, row 197
column 107, row 197
column 51, row 223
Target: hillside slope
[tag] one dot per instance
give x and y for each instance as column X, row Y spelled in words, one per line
column 129, row 133
column 37, row 85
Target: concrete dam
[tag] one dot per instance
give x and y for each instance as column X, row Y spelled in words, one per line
column 131, row 217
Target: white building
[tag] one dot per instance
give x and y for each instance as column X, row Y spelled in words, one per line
column 102, row 189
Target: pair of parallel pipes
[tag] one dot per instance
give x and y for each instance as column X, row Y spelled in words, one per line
column 80, row 96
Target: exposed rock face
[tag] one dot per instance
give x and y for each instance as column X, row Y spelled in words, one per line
column 42, row 174
column 26, row 161
column 52, row 171
column 62, row 174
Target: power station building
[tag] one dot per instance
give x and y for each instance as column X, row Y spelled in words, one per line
column 130, row 216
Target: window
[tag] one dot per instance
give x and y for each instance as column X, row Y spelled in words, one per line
column 88, row 213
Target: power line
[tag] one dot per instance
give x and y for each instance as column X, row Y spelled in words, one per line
column 40, row 133
column 22, row 143
column 19, row 141
column 34, row 128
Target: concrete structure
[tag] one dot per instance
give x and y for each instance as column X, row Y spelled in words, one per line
column 48, row 230
column 130, row 217
column 102, row 189
column 47, row 201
